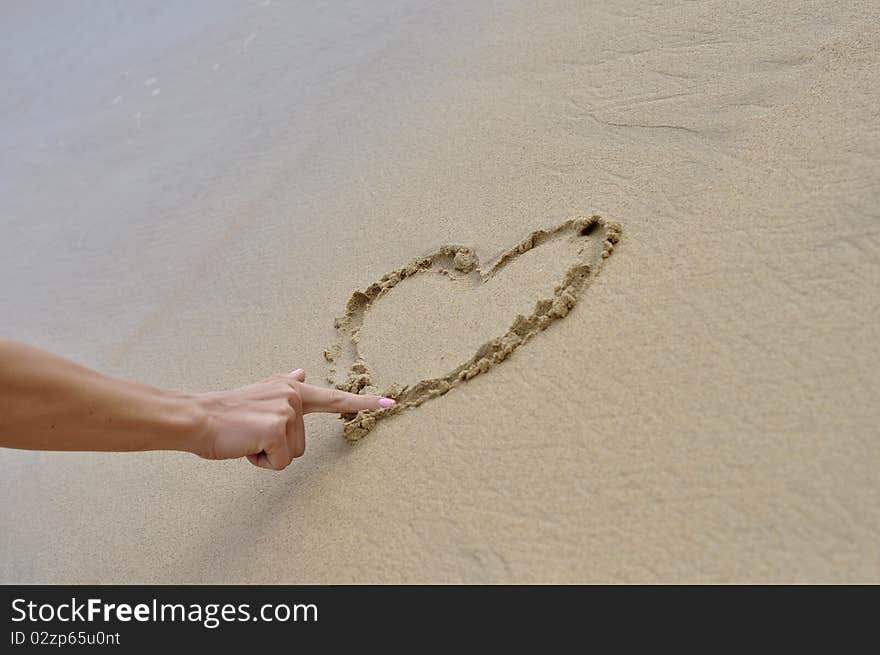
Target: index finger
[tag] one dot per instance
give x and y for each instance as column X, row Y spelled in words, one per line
column 319, row 399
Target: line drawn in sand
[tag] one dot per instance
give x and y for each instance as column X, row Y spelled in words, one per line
column 461, row 263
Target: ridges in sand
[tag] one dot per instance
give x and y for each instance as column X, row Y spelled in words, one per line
column 460, row 262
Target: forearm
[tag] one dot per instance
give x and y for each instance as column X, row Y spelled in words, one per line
column 50, row 403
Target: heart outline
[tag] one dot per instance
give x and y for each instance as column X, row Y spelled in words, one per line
column 454, row 260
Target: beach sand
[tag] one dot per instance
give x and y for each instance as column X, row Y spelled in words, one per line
column 190, row 195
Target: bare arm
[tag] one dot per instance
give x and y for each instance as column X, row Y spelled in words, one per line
column 50, row 403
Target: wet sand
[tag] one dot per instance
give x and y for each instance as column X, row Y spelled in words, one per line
column 191, row 195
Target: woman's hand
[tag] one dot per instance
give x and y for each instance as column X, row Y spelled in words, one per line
column 264, row 421
column 50, row 403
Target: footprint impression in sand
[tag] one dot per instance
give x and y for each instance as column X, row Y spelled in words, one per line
column 434, row 324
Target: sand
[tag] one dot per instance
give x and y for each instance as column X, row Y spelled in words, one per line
column 588, row 240
column 190, row 196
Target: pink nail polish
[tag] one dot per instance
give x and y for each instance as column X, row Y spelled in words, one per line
column 385, row 403
column 296, row 371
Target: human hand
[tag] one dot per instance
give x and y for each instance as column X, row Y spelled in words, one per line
column 264, row 421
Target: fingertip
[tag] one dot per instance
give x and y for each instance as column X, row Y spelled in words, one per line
column 385, row 403
column 299, row 374
column 260, row 460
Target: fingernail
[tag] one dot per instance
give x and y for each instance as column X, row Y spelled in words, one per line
column 296, row 371
column 385, row 403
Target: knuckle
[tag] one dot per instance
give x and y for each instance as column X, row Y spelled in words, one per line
column 276, row 428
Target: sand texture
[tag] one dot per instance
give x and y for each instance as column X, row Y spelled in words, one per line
column 461, row 263
column 191, row 193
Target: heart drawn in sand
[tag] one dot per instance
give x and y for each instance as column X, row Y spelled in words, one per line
column 460, row 264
